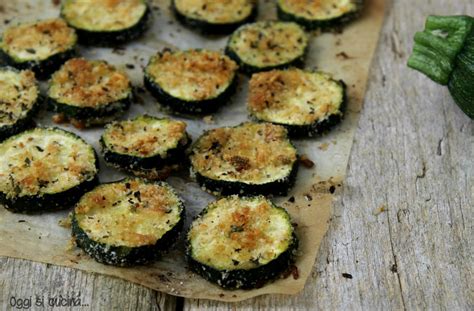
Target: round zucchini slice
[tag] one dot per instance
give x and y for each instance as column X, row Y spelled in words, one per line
column 19, row 100
column 146, row 146
column 193, row 81
column 315, row 14
column 89, row 91
column 41, row 46
column 252, row 158
column 215, row 17
column 129, row 222
column 306, row 103
column 107, row 22
column 241, row 242
column 268, row 45
column 45, row 169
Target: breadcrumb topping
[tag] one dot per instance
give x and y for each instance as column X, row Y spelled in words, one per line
column 254, row 153
column 216, row 11
column 240, row 233
column 88, row 83
column 193, row 74
column 294, row 96
column 318, row 9
column 128, row 213
column 38, row 41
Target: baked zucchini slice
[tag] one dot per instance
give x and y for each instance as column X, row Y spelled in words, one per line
column 193, row 81
column 268, row 45
column 241, row 242
column 248, row 159
column 305, row 102
column 129, row 222
column 89, row 91
column 215, row 17
column 19, row 100
column 41, row 46
column 146, row 146
column 107, row 22
column 45, row 169
column 316, row 14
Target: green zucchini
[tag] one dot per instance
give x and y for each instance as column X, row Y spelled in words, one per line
column 249, row 159
column 40, row 46
column 19, row 100
column 192, row 81
column 316, row 14
column 129, row 222
column 107, row 22
column 45, row 169
column 267, row 45
column 215, row 17
column 307, row 103
column 146, row 146
column 241, row 242
column 444, row 52
column 89, row 91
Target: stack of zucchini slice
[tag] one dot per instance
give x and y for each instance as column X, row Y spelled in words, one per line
column 89, row 91
column 315, row 14
column 41, row 46
column 215, row 17
column 305, row 102
column 241, row 242
column 146, row 146
column 106, row 22
column 45, row 169
column 128, row 222
column 19, row 100
column 249, row 159
column 268, row 45
column 193, row 81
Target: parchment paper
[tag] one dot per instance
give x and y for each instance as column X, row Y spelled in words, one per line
column 347, row 55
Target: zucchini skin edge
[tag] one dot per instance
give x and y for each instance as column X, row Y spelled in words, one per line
column 116, row 37
column 250, row 69
column 133, row 164
column 319, row 24
column 50, row 202
column 190, row 107
column 124, row 256
column 90, row 115
column 316, row 128
column 42, row 69
column 207, row 28
column 22, row 124
column 222, row 187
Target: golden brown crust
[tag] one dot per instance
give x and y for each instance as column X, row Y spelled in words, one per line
column 216, row 11
column 318, row 9
column 38, row 41
column 129, row 213
column 293, row 96
column 144, row 139
column 87, row 83
column 252, row 152
column 192, row 75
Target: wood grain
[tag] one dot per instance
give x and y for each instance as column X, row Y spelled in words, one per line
column 402, row 230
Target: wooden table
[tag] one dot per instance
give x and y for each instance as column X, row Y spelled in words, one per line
column 402, row 232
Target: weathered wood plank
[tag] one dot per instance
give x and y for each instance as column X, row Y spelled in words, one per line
column 24, row 279
column 412, row 156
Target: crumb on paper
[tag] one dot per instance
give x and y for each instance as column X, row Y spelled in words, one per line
column 379, row 210
column 208, row 119
column 71, row 244
column 80, row 125
column 66, row 222
column 306, row 162
column 56, row 2
column 343, row 55
column 323, row 146
column 59, row 118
